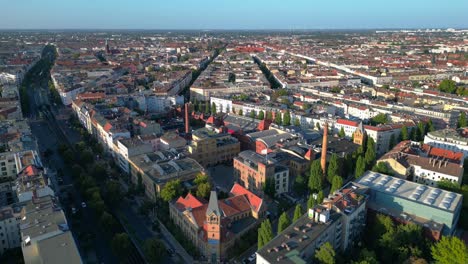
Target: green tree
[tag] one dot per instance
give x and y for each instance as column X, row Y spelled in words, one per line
column 421, row 131
column 404, row 133
column 337, row 183
column 381, row 167
column 315, row 178
column 300, row 185
column 429, row 127
column 320, row 197
column 297, row 212
column 448, row 86
column 171, row 190
column 317, row 125
column 450, row 250
column 333, row 168
column 269, row 115
column 379, row 119
column 261, row 115
column 204, row 190
column 121, row 245
column 108, row 223
column 207, row 107
column 113, row 192
column 325, row 254
column 241, row 113
column 283, row 222
column 252, row 114
column 278, row 119
column 200, row 178
column 213, row 108
column 462, row 120
column 360, row 167
column 391, row 142
column 287, row 118
column 269, row 187
column 342, row 133
column 311, row 202
column 297, row 122
column 154, row 250
column 265, row 233
column 370, row 156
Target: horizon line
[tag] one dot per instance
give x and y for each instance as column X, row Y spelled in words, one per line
column 241, row 29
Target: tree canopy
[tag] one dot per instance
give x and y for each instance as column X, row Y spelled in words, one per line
column 171, row 190
column 315, row 178
column 450, row 250
column 325, row 254
column 283, row 222
column 297, row 212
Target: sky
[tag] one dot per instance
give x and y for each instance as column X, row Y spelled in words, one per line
column 232, row 14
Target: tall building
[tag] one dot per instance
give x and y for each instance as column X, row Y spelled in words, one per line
column 215, row 226
column 359, row 135
column 339, row 220
column 253, row 170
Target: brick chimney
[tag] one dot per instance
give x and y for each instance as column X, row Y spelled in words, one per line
column 323, row 160
column 187, row 119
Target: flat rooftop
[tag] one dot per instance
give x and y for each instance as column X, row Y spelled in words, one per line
column 419, row 193
column 297, row 237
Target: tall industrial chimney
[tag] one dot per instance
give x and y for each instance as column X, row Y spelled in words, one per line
column 323, row 160
column 187, row 119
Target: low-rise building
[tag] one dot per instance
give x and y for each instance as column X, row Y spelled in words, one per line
column 153, row 170
column 434, row 209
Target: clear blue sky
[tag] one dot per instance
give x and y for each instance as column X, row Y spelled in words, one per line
column 232, row 14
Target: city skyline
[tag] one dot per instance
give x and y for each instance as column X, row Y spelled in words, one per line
column 210, row 15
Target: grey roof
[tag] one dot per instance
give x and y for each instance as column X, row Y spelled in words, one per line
column 272, row 140
column 213, row 207
column 263, row 133
column 298, row 236
column 54, row 250
column 419, row 193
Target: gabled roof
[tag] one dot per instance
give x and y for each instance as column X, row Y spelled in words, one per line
column 189, row 201
column 255, row 201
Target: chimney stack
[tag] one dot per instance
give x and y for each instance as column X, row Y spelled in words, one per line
column 323, row 160
column 187, row 120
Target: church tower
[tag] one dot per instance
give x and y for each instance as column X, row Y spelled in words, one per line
column 359, row 135
column 107, row 48
column 213, row 228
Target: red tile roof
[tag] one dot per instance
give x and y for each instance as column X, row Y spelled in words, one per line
column 347, row 122
column 254, row 200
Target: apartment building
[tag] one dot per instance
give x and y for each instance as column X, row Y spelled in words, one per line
column 253, row 170
column 214, row 227
column 9, row 228
column 436, row 210
column 428, row 165
column 450, row 139
column 381, row 134
column 45, row 235
column 339, row 220
column 124, row 148
column 210, row 148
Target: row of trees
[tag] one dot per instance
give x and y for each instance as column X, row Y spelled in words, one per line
column 387, row 242
column 449, row 86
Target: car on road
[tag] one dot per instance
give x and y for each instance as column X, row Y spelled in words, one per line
column 252, row 257
column 73, row 210
column 83, row 204
column 60, row 180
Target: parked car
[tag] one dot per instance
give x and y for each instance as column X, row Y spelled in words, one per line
column 83, row 204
